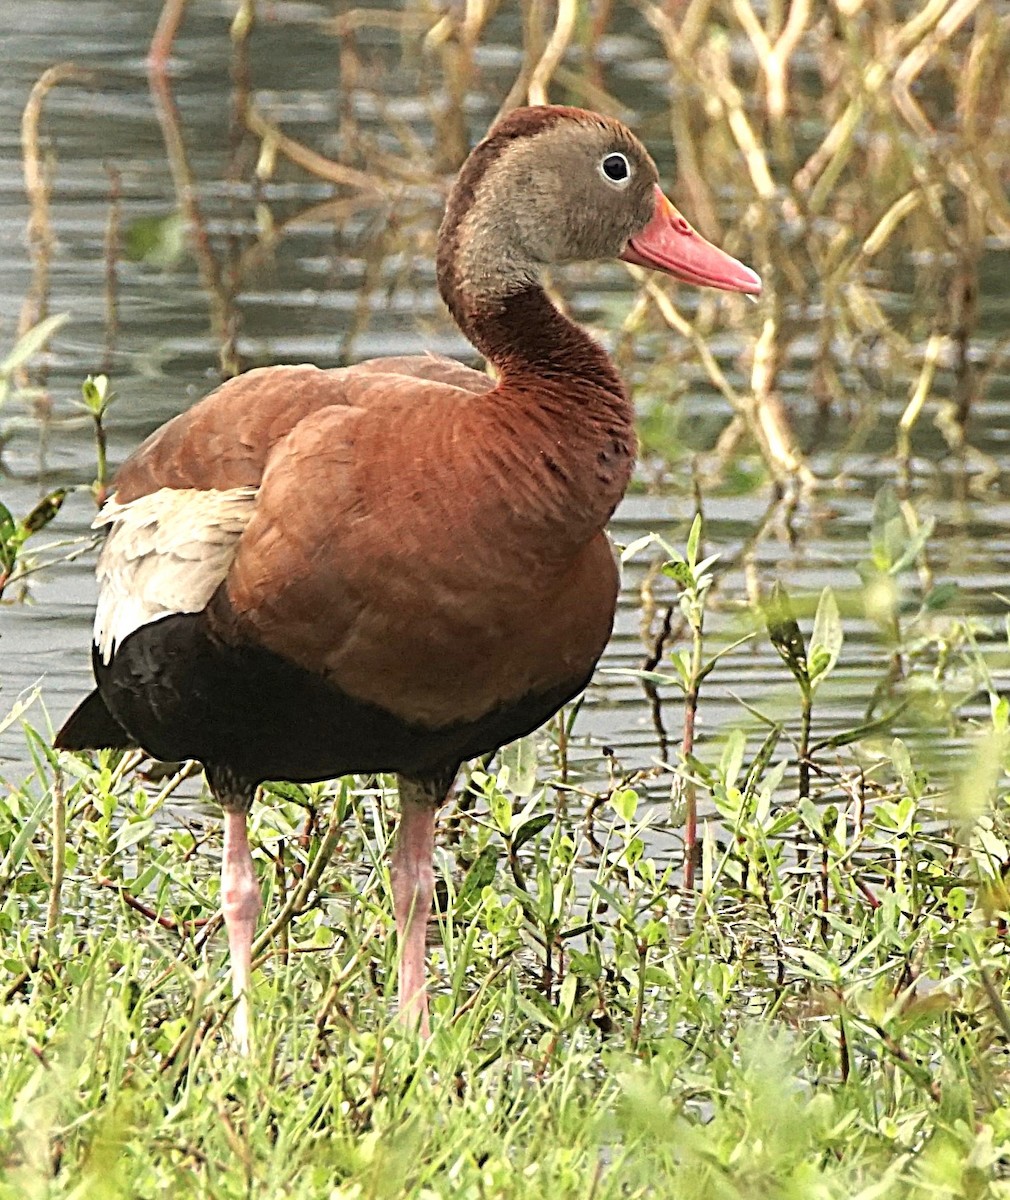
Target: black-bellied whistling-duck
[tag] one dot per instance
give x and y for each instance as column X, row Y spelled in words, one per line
column 401, row 565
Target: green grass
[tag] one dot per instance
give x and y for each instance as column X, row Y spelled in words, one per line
column 822, row 1016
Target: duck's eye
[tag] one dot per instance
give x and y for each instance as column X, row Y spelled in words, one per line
column 616, row 169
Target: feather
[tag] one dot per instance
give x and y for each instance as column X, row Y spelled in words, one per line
column 167, row 552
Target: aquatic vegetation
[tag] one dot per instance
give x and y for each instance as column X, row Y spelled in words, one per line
column 821, row 1014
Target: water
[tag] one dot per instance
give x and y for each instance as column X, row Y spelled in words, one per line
column 348, row 279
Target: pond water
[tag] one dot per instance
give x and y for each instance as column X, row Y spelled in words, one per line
column 346, row 279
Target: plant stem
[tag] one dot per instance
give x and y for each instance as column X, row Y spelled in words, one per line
column 684, row 785
column 59, row 853
column 101, row 460
column 636, row 1024
column 803, row 756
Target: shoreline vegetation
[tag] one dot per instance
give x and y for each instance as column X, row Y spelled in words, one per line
column 785, row 978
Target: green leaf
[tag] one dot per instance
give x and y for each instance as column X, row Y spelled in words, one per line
column 785, row 634
column 761, row 760
column 96, row 394
column 941, row 596
column 681, row 659
column 566, row 996
column 625, row 802
column 521, row 759
column 913, row 546
column 43, row 512
column 19, row 709
column 679, row 572
column 10, row 543
column 699, row 770
column 134, row 832
column 656, row 678
column 19, row 846
column 632, row 548
column 705, row 564
column 537, row 1009
column 888, row 530
column 530, row 829
column 732, row 756
column 501, row 810
column 158, row 241
column 30, row 343
column 693, row 541
column 816, row 965
column 293, row 792
column 826, row 638
column 481, row 873
column 858, row 732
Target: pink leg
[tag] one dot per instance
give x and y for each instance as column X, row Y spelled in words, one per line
column 413, row 880
column 240, row 903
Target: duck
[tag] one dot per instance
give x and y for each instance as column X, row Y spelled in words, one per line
column 401, row 565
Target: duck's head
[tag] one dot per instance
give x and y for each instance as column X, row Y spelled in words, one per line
column 552, row 185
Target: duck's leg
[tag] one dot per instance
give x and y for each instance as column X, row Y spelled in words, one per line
column 240, row 900
column 413, row 879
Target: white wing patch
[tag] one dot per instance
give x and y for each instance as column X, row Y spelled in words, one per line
column 166, row 553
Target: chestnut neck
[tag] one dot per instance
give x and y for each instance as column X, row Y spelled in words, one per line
column 561, row 410
column 522, row 334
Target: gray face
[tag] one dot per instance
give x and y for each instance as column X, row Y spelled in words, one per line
column 576, row 191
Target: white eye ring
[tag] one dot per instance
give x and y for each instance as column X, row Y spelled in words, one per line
column 617, row 163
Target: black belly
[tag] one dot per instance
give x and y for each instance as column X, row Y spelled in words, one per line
column 183, row 693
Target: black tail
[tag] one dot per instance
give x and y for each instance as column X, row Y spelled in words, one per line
column 92, row 727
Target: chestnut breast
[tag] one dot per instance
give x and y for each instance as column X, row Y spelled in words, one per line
column 419, row 549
